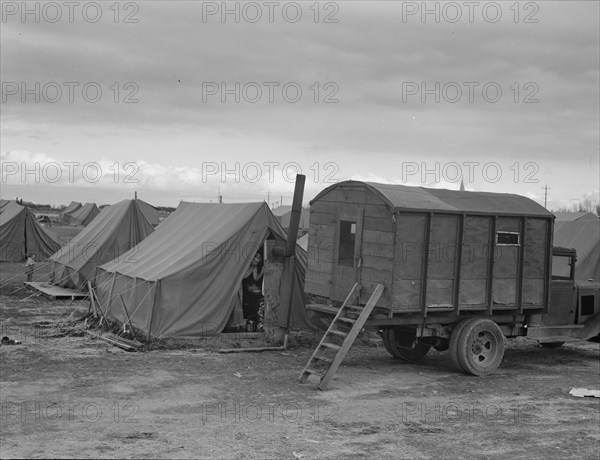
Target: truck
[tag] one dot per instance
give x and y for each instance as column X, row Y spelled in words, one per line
column 461, row 271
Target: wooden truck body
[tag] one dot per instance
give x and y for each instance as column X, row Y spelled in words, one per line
column 445, row 258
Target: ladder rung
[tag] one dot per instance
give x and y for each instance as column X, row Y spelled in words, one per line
column 347, row 320
column 337, row 332
column 353, row 324
column 312, row 371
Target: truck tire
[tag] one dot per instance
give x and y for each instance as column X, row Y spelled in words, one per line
column 552, row 344
column 454, row 338
column 480, row 347
column 411, row 355
column 386, row 341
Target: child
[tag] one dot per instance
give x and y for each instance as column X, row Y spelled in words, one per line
column 29, row 267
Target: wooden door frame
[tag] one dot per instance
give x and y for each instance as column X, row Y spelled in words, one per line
column 355, row 215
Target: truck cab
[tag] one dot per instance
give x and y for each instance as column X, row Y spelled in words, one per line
column 574, row 304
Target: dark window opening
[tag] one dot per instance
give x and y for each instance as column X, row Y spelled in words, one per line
column 507, row 238
column 587, row 305
column 347, row 240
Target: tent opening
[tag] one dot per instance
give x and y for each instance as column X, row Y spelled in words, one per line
column 248, row 311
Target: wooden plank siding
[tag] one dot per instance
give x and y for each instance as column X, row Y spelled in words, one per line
column 376, row 243
column 377, row 240
column 427, row 258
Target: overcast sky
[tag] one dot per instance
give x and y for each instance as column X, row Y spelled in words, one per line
column 504, row 94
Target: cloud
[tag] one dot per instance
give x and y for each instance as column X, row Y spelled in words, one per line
column 367, row 56
column 239, row 181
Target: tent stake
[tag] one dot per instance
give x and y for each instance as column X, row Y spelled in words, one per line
column 127, row 313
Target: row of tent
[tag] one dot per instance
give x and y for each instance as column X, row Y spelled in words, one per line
column 160, row 277
column 78, row 214
column 82, row 214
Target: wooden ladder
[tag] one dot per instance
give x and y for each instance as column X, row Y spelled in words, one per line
column 344, row 328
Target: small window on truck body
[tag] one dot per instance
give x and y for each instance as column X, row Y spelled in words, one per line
column 347, row 240
column 508, row 239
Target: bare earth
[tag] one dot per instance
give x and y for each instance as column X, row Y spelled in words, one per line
column 67, row 396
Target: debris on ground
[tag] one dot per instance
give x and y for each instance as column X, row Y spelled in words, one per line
column 8, row 341
column 584, row 392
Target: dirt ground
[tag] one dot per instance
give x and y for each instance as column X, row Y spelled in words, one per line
column 75, row 396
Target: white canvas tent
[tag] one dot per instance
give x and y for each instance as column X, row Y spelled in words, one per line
column 20, row 234
column 584, row 237
column 111, row 234
column 190, row 269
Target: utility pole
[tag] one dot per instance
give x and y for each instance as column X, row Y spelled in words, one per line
column 545, row 188
column 268, row 198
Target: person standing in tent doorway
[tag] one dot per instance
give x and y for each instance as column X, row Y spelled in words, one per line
column 252, row 292
column 29, row 267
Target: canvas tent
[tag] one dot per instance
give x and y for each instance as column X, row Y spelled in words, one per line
column 190, row 270
column 584, row 236
column 284, row 214
column 150, row 212
column 83, row 215
column 572, row 216
column 111, row 234
column 73, row 206
column 20, row 234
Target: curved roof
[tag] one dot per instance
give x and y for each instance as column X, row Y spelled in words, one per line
column 407, row 198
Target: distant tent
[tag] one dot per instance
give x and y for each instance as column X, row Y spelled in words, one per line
column 20, row 234
column 73, row 206
column 584, row 236
column 111, row 234
column 284, row 214
column 150, row 212
column 189, row 271
column 83, row 215
column 571, row 216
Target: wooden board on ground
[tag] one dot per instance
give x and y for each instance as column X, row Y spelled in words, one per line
column 56, row 292
column 125, row 344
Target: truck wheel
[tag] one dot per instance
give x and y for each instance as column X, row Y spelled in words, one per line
column 480, row 347
column 552, row 344
column 386, row 341
column 453, row 346
column 411, row 355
